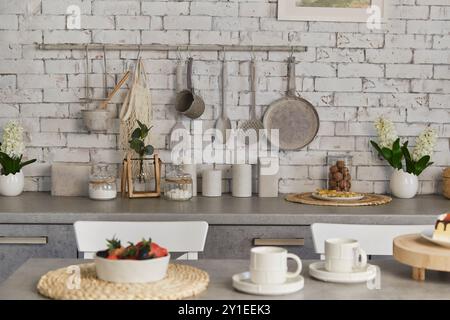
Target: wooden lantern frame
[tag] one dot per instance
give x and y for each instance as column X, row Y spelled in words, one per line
column 126, row 186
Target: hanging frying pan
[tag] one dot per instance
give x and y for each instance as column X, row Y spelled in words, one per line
column 295, row 118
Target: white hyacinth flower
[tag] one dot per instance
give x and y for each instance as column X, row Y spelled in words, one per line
column 425, row 143
column 12, row 143
column 386, row 132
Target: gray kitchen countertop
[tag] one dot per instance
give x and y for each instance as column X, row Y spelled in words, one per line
column 42, row 208
column 396, row 282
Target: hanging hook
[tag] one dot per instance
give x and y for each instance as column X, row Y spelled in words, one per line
column 292, row 52
column 139, row 52
column 188, row 51
column 178, row 54
column 224, row 49
column 253, row 53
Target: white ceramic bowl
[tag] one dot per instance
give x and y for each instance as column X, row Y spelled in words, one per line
column 132, row 271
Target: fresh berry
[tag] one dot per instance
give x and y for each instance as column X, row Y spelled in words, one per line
column 130, row 252
column 103, row 254
column 113, row 243
column 143, row 250
column 158, row 251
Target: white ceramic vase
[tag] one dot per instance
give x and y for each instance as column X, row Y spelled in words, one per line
column 404, row 185
column 12, row 184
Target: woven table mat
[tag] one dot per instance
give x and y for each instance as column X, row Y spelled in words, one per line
column 182, row 281
column 368, row 200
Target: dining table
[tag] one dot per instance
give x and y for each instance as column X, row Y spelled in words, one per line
column 396, row 282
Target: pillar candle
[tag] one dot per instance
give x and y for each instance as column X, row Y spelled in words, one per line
column 212, row 183
column 192, row 170
column 241, row 185
column 268, row 177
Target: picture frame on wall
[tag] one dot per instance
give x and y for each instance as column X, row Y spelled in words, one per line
column 331, row 10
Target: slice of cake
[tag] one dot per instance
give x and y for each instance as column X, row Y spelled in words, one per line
column 442, row 228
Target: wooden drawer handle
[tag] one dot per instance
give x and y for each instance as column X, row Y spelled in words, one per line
column 279, row 242
column 23, row 240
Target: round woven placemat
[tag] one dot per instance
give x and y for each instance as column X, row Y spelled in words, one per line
column 368, row 200
column 182, row 281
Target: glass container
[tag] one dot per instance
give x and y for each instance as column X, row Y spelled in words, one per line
column 178, row 185
column 102, row 183
column 339, row 172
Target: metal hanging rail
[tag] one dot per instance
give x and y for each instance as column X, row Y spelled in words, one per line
column 163, row 47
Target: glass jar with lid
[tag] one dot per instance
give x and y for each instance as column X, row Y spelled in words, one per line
column 178, row 185
column 102, row 183
column 339, row 172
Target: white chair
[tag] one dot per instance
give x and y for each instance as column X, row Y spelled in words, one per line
column 374, row 239
column 187, row 237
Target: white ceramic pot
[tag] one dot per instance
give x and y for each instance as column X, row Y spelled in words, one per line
column 403, row 184
column 12, row 184
column 132, row 271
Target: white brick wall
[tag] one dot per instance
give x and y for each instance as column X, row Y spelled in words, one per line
column 351, row 74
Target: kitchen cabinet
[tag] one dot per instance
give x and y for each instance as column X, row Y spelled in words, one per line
column 20, row 242
column 235, row 241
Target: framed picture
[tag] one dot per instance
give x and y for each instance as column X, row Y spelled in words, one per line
column 330, row 10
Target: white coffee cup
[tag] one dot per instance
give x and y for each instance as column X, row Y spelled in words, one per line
column 344, row 255
column 268, row 265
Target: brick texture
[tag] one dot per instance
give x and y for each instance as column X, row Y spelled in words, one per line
column 350, row 74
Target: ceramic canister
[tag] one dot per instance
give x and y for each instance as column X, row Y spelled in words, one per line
column 268, row 177
column 241, row 185
column 212, row 183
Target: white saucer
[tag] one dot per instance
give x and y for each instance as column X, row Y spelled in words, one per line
column 242, row 282
column 318, row 271
column 321, row 197
column 428, row 235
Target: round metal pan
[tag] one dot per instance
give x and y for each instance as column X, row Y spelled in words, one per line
column 295, row 118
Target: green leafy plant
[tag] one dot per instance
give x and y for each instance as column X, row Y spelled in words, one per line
column 413, row 166
column 390, row 149
column 137, row 143
column 12, row 165
column 394, row 156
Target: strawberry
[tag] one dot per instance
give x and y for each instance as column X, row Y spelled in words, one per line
column 143, row 250
column 144, row 243
column 158, row 251
column 131, row 252
column 114, row 247
column 118, row 252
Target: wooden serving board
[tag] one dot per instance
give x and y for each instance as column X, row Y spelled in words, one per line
column 421, row 254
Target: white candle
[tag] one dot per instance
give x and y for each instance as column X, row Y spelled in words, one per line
column 268, row 177
column 241, row 185
column 192, row 170
column 212, row 183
